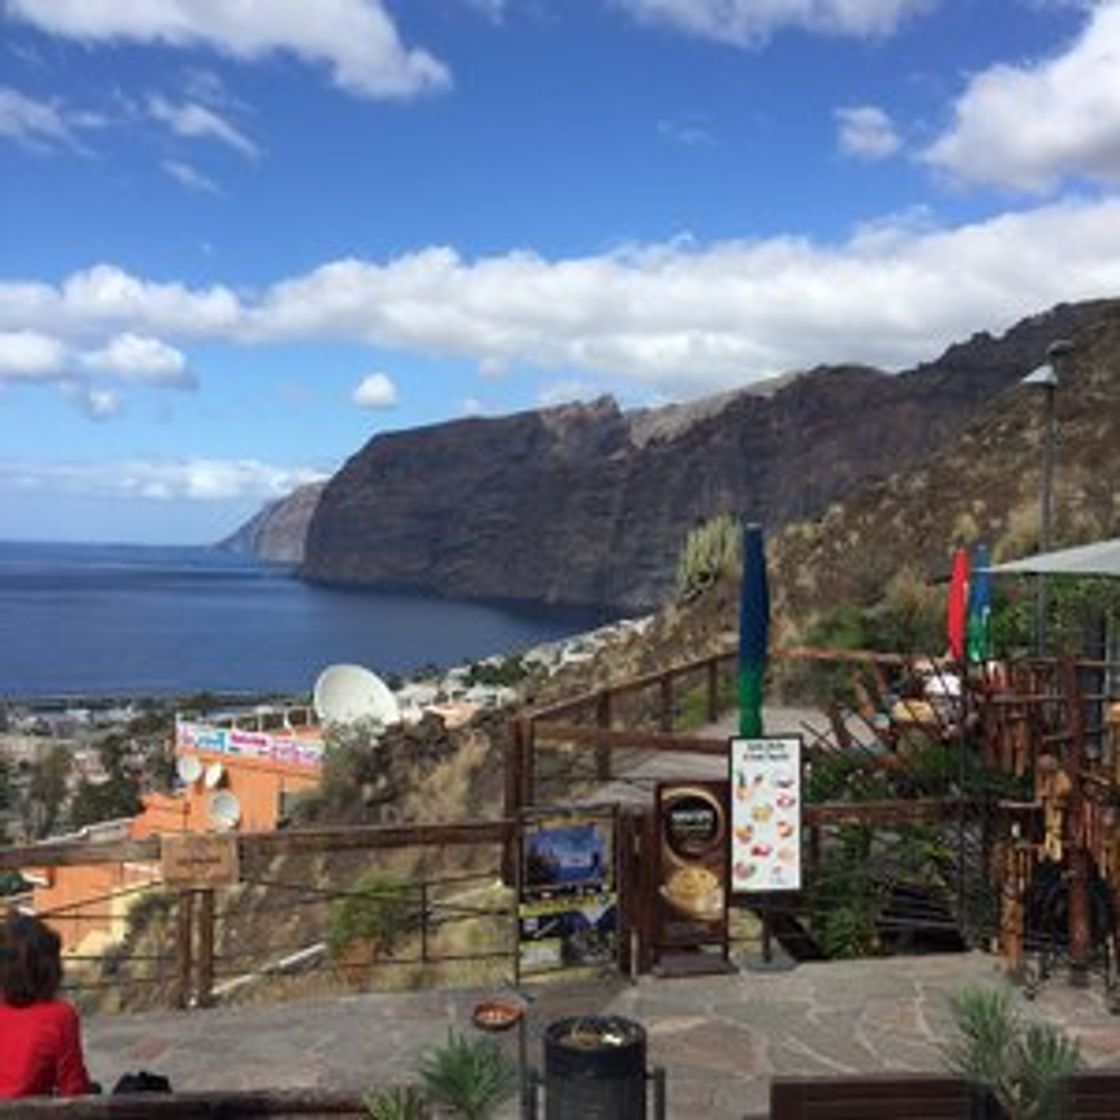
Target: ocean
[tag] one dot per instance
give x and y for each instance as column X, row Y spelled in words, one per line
column 133, row 621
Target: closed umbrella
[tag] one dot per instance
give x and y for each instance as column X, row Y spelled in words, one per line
column 754, row 632
column 957, row 608
column 979, row 628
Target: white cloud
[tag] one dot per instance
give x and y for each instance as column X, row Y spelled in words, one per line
column 201, row 480
column 189, row 177
column 34, row 123
column 678, row 317
column 200, row 123
column 565, row 392
column 97, row 404
column 357, row 39
column 748, row 23
column 375, row 391
column 30, row 356
column 1031, row 126
column 866, row 132
column 140, row 358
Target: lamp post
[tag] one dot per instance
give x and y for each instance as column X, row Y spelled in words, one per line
column 1045, row 377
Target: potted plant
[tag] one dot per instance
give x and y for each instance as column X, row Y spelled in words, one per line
column 1018, row 1070
column 470, row 1077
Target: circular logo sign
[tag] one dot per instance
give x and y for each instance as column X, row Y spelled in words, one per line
column 692, row 823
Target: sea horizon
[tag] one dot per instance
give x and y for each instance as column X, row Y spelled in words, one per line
column 97, row 620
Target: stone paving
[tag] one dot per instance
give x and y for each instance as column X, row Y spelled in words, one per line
column 720, row 1039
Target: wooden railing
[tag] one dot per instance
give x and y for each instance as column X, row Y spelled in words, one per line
column 289, row 1104
column 1092, row 1095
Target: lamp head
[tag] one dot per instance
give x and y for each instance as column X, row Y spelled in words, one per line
column 1044, row 376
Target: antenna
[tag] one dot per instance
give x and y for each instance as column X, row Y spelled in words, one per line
column 215, row 772
column 225, row 810
column 345, row 693
column 189, row 768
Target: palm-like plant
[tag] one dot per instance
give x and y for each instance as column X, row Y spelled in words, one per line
column 470, row 1076
column 397, row 1102
column 1025, row 1066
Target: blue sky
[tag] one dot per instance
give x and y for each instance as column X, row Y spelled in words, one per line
column 238, row 240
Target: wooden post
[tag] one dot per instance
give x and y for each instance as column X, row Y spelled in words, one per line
column 603, row 720
column 713, row 689
column 528, row 762
column 647, row 889
column 184, row 944
column 515, row 759
column 665, row 706
column 1080, row 928
column 205, row 994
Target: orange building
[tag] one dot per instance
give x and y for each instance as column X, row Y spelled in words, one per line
column 236, row 774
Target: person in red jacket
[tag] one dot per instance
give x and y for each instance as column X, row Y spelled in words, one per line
column 40, row 1040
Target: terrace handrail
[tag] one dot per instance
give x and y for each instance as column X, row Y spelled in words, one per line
column 228, row 1105
column 251, row 845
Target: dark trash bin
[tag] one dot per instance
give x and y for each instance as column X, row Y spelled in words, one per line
column 595, row 1069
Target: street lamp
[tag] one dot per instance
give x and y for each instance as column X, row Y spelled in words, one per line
column 1045, row 377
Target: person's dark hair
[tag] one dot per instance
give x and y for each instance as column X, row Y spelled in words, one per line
column 30, row 960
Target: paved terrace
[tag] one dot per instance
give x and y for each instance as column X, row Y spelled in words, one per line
column 719, row 1038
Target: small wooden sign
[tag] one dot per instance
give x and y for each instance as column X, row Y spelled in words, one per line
column 192, row 859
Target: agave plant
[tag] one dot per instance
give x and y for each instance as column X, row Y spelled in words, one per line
column 1026, row 1067
column 397, row 1102
column 472, row 1077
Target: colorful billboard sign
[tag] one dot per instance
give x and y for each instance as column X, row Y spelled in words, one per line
column 233, row 741
column 568, row 898
column 692, row 864
column 766, row 807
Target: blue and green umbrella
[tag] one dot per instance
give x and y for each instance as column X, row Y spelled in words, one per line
column 754, row 632
column 979, row 629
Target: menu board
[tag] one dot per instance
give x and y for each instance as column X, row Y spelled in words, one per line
column 766, row 797
column 568, row 897
column 692, row 864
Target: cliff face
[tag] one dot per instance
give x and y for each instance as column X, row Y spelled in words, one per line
column 278, row 532
column 982, row 485
column 585, row 504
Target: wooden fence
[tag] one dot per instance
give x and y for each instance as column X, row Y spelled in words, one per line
column 1093, row 1095
column 244, row 1105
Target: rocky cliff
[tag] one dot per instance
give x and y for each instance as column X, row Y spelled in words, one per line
column 982, row 485
column 587, row 504
column 278, row 532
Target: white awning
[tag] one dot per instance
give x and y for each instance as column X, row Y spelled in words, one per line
column 1099, row 559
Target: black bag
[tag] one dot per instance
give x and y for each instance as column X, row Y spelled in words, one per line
column 142, row 1082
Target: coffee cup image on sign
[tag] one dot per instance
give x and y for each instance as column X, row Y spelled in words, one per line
column 694, row 892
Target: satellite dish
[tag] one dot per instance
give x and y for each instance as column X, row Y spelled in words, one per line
column 345, row 693
column 215, row 772
column 225, row 810
column 189, row 769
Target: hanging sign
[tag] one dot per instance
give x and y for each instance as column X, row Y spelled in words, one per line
column 568, row 895
column 692, row 864
column 766, row 807
column 199, row 860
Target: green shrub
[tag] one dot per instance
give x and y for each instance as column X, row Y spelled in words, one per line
column 710, row 551
column 399, row 1102
column 470, row 1076
column 378, row 911
column 1026, row 1066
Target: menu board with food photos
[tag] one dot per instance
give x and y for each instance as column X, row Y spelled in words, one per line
column 766, row 807
column 692, row 864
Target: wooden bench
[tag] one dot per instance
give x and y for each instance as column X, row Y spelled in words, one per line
column 303, row 1104
column 1095, row 1095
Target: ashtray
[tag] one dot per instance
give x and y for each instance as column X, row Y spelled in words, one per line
column 496, row 1015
